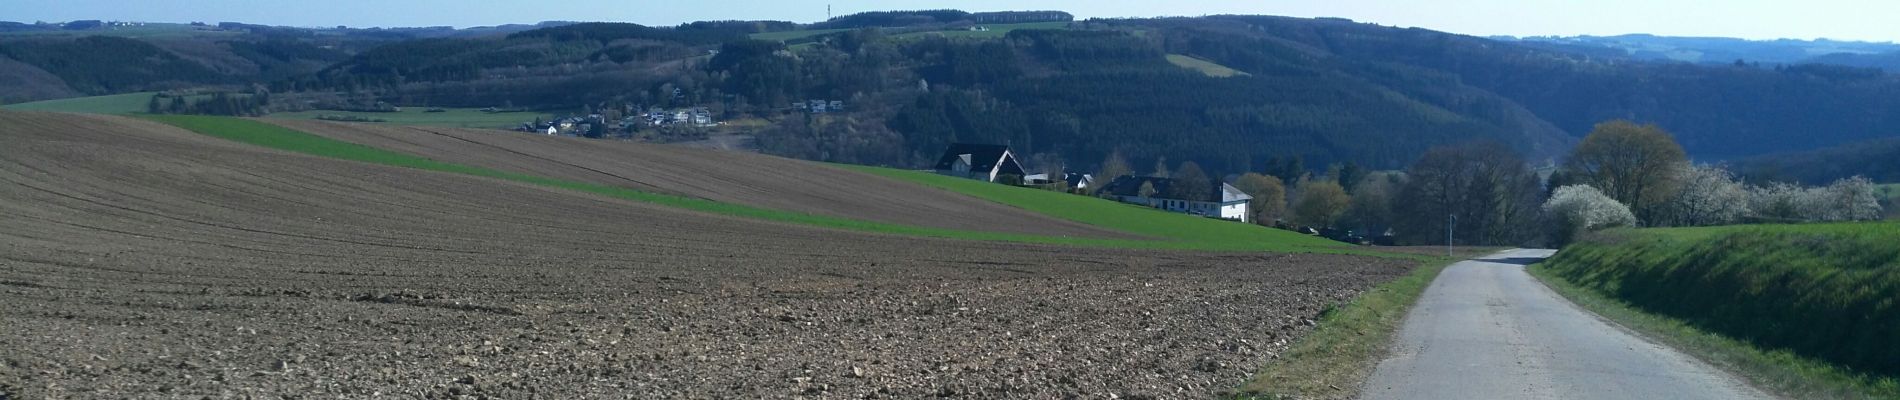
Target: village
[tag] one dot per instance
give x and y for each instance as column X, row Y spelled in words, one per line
column 625, row 123
column 998, row 164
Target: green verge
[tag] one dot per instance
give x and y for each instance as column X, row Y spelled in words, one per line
column 1805, row 311
column 1349, row 341
column 448, row 117
column 111, row 104
column 1120, row 216
column 276, row 137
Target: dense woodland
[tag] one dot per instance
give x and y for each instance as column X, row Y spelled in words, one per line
column 1323, row 91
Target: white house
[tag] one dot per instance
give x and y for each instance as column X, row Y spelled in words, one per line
column 985, row 162
column 1225, row 201
column 1079, row 181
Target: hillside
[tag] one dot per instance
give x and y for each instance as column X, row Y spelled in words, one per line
column 272, row 273
column 1711, row 50
column 1874, row 159
column 729, row 177
column 1228, row 92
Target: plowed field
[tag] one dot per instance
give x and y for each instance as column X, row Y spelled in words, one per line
column 140, row 260
column 724, row 176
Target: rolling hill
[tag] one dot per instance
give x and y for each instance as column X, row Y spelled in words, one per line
column 1254, row 88
column 242, row 246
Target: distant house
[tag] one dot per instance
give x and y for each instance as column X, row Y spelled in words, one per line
column 985, row 162
column 1078, row 181
column 1037, row 179
column 1224, row 201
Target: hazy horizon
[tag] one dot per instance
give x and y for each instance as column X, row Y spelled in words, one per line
column 1747, row 19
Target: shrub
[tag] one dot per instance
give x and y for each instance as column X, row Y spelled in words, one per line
column 1851, row 199
column 1576, row 209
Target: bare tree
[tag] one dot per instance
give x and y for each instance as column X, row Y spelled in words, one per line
column 1190, row 182
column 1112, row 167
column 1484, row 189
column 1372, row 198
column 1320, row 203
column 1632, row 163
column 1269, row 196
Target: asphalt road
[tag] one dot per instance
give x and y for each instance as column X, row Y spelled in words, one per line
column 1486, row 329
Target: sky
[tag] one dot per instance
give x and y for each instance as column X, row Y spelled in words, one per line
column 1867, row 20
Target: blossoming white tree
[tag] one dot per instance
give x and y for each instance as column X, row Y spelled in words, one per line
column 1850, row 199
column 1576, row 209
column 1708, row 196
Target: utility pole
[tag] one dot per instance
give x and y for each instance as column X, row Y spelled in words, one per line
column 1450, row 221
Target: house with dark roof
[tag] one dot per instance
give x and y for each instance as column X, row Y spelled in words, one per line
column 1223, row 201
column 1078, row 180
column 985, row 162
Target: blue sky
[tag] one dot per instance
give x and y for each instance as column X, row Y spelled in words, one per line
column 1872, row 20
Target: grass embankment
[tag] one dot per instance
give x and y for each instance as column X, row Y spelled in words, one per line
column 1807, row 311
column 276, row 137
column 111, row 104
column 1214, row 233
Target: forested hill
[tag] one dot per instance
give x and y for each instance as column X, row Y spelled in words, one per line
column 1234, row 93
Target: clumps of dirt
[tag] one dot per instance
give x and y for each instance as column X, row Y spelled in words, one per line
column 143, row 261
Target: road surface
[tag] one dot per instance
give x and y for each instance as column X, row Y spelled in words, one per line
column 1485, row 329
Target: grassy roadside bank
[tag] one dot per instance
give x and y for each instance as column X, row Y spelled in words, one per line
column 276, row 137
column 1778, row 372
column 1333, row 360
column 1115, row 215
column 1805, row 311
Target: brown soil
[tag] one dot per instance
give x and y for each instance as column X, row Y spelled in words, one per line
column 725, row 176
column 139, row 260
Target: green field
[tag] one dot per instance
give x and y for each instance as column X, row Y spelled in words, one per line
column 995, row 30
column 798, row 34
column 450, row 117
column 1175, row 231
column 113, row 104
column 1816, row 301
column 1139, row 220
column 1205, row 67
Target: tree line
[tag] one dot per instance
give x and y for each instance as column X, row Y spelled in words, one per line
column 1483, row 193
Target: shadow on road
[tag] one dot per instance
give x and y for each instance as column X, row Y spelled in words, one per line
column 1512, row 260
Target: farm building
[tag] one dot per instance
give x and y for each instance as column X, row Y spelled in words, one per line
column 1079, row 181
column 985, row 162
column 1224, row 201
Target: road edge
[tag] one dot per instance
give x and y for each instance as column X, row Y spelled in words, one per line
column 1333, row 360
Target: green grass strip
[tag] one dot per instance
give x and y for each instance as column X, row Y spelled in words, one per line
column 1124, row 217
column 276, row 137
column 1333, row 360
